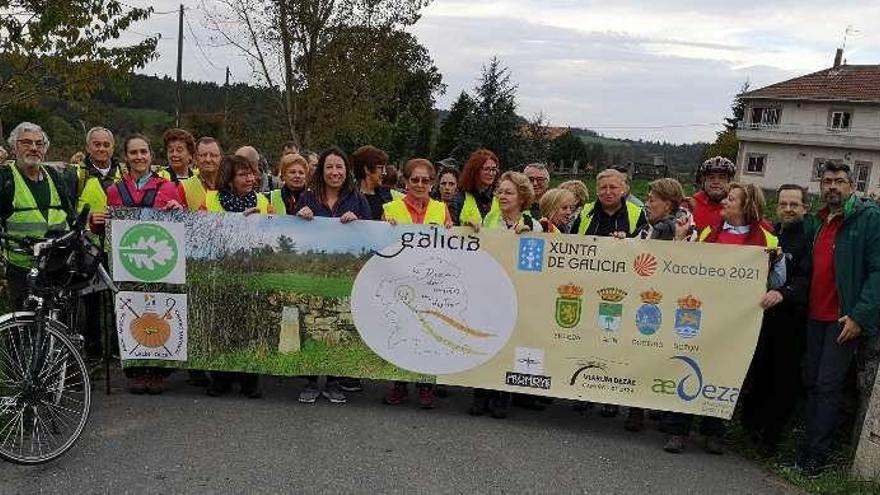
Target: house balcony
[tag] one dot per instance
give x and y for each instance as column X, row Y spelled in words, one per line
column 807, row 135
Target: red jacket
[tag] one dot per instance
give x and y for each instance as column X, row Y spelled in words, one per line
column 165, row 191
column 706, row 213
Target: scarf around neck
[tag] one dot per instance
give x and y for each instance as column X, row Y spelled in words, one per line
column 237, row 204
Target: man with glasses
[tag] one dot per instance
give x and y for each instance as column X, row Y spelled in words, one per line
column 775, row 371
column 539, row 176
column 32, row 203
column 844, row 304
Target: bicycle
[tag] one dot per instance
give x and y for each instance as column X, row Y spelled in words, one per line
column 45, row 391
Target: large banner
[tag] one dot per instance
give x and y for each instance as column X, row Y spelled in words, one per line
column 659, row 325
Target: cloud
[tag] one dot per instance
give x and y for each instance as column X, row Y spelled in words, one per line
column 634, row 69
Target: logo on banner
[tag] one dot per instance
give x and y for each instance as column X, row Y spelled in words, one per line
column 528, row 366
column 693, row 384
column 568, row 305
column 149, row 251
column 645, row 265
column 648, row 316
column 152, row 325
column 531, row 254
column 610, row 309
column 688, row 316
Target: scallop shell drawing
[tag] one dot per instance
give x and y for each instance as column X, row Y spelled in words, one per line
column 645, row 265
column 150, row 330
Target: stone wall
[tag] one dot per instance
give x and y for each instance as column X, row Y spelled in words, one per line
column 326, row 319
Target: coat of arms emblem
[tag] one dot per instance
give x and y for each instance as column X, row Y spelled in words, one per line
column 648, row 316
column 568, row 305
column 688, row 316
column 610, row 309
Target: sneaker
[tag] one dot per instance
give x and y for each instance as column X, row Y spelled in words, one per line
column 398, row 395
column 309, row 394
column 137, row 385
column 674, row 444
column 426, row 398
column 713, row 445
column 351, row 385
column 635, row 419
column 333, row 394
column 609, row 411
column 155, row 385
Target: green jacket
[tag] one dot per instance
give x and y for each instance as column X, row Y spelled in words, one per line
column 856, row 261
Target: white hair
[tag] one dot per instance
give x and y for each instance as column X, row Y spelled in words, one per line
column 98, row 129
column 27, row 127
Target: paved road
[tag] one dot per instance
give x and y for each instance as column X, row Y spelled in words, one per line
column 184, row 441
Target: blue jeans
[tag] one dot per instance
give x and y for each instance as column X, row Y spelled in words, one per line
column 825, row 370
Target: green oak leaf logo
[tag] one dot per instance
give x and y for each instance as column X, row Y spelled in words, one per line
column 148, row 251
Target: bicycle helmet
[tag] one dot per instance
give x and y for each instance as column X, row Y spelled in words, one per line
column 716, row 164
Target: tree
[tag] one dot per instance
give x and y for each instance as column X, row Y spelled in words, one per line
column 536, row 140
column 448, row 142
column 374, row 86
column 66, row 49
column 726, row 143
column 282, row 40
column 567, row 149
column 495, row 124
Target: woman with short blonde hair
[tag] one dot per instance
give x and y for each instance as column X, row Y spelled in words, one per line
column 557, row 206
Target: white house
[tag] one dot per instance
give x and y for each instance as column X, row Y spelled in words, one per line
column 791, row 127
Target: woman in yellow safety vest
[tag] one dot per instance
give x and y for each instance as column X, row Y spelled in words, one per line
column 180, row 147
column 476, row 186
column 416, row 207
column 237, row 189
column 237, row 194
column 293, row 171
column 514, row 194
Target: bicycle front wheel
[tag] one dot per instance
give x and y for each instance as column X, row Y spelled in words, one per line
column 44, row 392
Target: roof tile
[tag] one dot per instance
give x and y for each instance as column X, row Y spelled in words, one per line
column 843, row 83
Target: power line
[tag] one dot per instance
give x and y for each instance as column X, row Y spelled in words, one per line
column 199, row 45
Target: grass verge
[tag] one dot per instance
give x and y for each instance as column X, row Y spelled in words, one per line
column 314, row 358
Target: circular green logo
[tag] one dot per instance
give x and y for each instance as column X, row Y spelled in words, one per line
column 148, row 252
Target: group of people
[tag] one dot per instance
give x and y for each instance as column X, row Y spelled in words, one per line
column 823, row 290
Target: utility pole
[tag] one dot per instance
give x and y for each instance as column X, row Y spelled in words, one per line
column 226, row 98
column 179, row 67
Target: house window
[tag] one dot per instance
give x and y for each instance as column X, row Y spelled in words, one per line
column 765, row 116
column 755, row 164
column 838, row 120
column 862, row 176
column 817, row 167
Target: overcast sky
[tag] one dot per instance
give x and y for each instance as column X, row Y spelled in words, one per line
column 661, row 70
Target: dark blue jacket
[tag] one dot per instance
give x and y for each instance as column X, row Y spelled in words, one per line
column 354, row 202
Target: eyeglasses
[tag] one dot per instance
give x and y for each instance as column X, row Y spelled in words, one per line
column 420, row 180
column 538, row 180
column 490, row 170
column 27, row 143
column 790, row 205
column 840, row 181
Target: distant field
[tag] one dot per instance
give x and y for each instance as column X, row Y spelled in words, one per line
column 304, row 284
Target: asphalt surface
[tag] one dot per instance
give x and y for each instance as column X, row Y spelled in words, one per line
column 186, row 442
